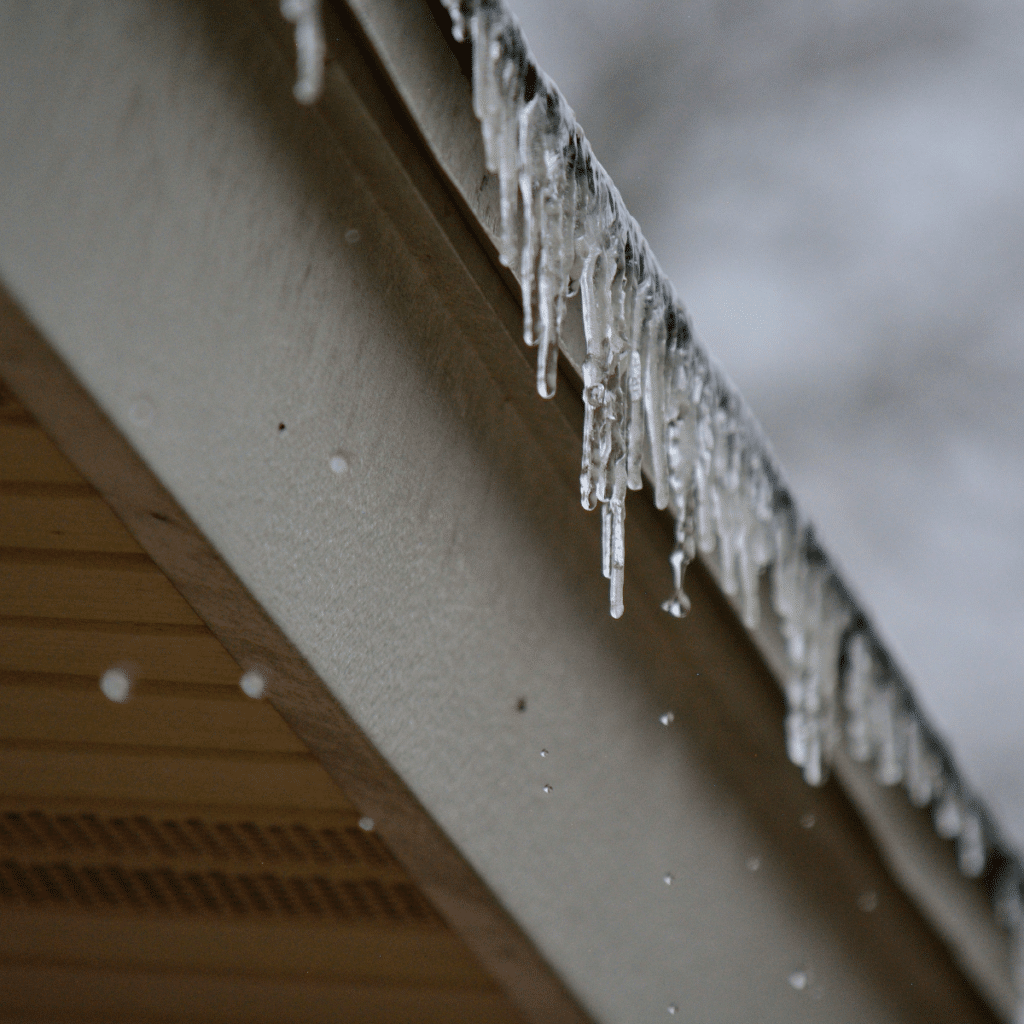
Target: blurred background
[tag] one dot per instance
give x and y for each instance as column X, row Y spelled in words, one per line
column 836, row 190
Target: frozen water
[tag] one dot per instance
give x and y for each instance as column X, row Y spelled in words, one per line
column 310, row 47
column 655, row 401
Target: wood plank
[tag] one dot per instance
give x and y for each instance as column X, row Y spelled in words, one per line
column 76, row 585
column 28, row 455
column 70, row 708
column 73, row 994
column 359, row 953
column 106, row 773
column 60, row 517
column 87, row 648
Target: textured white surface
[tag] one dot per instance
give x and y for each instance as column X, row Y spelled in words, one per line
column 835, row 191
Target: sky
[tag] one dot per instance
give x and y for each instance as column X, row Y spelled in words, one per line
column 836, row 189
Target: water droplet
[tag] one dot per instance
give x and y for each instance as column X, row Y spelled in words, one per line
column 521, row 705
column 253, row 684
column 867, row 901
column 339, row 464
column 548, row 788
column 669, row 879
column 543, row 753
column 672, row 1009
column 366, row 824
column 808, row 821
column 352, row 236
column 281, row 428
column 116, row 685
column 141, row 412
column 668, row 718
column 753, row 863
column 798, row 980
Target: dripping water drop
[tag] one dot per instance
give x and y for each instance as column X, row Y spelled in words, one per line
column 116, row 685
column 141, row 412
column 253, row 684
column 366, row 824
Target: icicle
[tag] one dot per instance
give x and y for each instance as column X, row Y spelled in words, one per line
column 948, row 815
column 971, row 851
column 812, row 723
column 653, row 362
column 858, row 694
column 886, row 735
column 454, row 8
column 606, row 541
column 530, row 184
column 617, row 557
column 923, row 772
column 686, row 548
column 310, row 47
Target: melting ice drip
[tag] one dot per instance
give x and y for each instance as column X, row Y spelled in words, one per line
column 655, row 400
column 310, row 47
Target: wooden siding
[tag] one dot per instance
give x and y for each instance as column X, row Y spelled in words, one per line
column 181, row 855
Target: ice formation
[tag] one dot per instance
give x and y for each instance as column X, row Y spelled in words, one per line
column 654, row 400
column 310, row 47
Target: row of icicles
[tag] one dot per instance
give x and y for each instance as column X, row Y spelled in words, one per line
column 654, row 400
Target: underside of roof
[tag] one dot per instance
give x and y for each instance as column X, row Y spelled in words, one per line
column 280, row 343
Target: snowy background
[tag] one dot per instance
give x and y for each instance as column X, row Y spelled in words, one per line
column 836, row 189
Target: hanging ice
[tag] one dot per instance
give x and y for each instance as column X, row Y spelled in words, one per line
column 310, row 47
column 655, row 401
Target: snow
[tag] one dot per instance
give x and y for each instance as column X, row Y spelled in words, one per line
column 655, row 399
